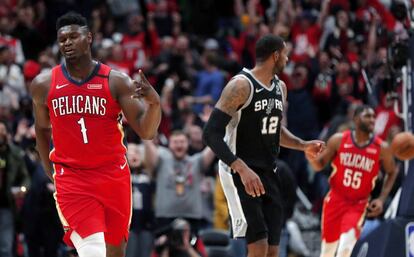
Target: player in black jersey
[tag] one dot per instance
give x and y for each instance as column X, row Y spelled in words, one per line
column 245, row 132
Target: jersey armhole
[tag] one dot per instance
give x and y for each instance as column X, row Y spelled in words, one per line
column 249, row 99
column 281, row 91
column 377, row 141
column 108, row 89
column 344, row 138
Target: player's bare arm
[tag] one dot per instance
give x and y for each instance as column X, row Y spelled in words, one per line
column 139, row 102
column 375, row 207
column 326, row 156
column 233, row 97
column 39, row 91
column 388, row 164
column 288, row 140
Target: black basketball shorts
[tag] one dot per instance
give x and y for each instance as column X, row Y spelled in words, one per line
column 254, row 218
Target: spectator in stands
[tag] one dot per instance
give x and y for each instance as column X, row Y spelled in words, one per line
column 14, row 183
column 42, row 228
column 185, row 60
column 166, row 19
column 11, row 76
column 301, row 118
column 116, row 60
column 306, row 30
column 195, row 137
column 208, row 86
column 341, row 35
column 6, row 25
column 345, row 88
column 178, row 178
column 138, row 43
column 322, row 88
column 141, row 236
column 32, row 41
column 386, row 118
column 179, row 242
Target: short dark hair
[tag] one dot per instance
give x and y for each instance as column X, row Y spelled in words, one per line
column 267, row 45
column 360, row 108
column 211, row 59
column 71, row 18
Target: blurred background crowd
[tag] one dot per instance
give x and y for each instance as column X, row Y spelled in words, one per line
column 339, row 57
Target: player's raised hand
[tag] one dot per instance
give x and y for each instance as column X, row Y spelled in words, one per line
column 144, row 90
column 375, row 208
column 313, row 148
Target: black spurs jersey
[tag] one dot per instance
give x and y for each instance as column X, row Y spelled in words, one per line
column 253, row 133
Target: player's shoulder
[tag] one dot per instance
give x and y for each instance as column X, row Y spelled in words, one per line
column 239, row 81
column 379, row 141
column 336, row 139
column 119, row 80
column 238, row 85
column 339, row 135
column 384, row 148
column 118, row 76
column 119, row 83
column 234, row 95
column 284, row 88
column 383, row 144
column 42, row 79
column 282, row 83
column 40, row 85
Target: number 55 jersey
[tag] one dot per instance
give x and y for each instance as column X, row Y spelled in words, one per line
column 85, row 120
column 355, row 168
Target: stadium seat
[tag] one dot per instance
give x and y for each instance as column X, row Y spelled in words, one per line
column 217, row 242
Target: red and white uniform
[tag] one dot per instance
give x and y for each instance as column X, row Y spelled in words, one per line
column 355, row 170
column 92, row 178
column 85, row 120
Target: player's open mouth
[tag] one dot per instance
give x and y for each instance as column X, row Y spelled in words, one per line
column 69, row 52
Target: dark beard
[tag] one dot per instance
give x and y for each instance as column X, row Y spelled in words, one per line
column 277, row 70
column 364, row 128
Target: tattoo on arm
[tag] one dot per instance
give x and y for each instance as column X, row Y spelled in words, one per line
column 234, row 95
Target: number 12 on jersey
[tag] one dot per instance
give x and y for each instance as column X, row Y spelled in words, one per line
column 81, row 122
column 271, row 126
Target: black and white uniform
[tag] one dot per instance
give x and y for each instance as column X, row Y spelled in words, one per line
column 253, row 135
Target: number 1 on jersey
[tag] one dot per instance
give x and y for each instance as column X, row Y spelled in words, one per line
column 81, row 122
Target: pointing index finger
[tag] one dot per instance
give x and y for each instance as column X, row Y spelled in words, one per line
column 142, row 76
